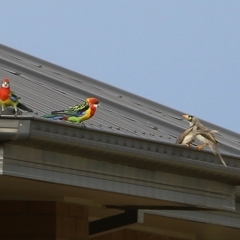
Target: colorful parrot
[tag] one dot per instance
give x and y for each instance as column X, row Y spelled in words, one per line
column 9, row 98
column 77, row 113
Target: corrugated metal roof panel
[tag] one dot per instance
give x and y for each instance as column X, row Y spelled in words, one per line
column 45, row 87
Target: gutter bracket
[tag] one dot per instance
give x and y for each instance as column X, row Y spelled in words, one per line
column 111, row 223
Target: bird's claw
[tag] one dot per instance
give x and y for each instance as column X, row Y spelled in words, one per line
column 16, row 113
column 188, row 143
column 200, row 147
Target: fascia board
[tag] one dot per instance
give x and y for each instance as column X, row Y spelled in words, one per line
column 148, row 151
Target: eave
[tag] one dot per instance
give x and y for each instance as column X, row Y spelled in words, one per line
column 64, row 153
column 132, row 151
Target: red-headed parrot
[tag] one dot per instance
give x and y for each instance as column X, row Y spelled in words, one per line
column 77, row 113
column 9, row 98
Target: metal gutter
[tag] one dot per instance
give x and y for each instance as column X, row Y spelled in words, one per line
column 12, row 129
column 124, row 149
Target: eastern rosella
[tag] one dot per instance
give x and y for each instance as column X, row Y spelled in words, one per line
column 9, row 98
column 77, row 113
column 206, row 138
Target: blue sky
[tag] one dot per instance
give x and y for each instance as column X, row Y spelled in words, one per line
column 184, row 54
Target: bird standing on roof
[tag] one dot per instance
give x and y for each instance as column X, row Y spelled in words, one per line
column 77, row 113
column 9, row 98
column 187, row 137
column 206, row 138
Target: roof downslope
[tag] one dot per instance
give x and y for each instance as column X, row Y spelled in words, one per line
column 45, row 87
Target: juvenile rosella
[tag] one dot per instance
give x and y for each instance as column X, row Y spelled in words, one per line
column 206, row 138
column 77, row 113
column 9, row 98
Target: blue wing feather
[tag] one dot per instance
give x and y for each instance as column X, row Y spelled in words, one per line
column 14, row 98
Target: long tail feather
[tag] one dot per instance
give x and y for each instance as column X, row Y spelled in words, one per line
column 53, row 117
column 215, row 150
column 59, row 112
column 220, row 157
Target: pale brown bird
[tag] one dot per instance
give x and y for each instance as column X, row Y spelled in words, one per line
column 206, row 138
column 187, row 137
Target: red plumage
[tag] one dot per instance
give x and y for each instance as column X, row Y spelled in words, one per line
column 5, row 91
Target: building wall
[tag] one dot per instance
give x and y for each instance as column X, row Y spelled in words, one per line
column 37, row 220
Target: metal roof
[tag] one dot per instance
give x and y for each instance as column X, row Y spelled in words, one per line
column 45, row 87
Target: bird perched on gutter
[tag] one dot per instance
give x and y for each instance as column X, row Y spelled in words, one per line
column 9, row 98
column 206, row 138
column 187, row 137
column 77, row 113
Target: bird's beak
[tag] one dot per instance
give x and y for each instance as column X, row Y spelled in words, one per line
column 5, row 84
column 96, row 105
column 185, row 116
